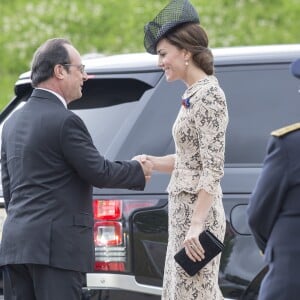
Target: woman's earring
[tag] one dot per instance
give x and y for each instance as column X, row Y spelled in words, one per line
column 186, row 63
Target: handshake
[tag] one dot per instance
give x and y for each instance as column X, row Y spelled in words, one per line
column 146, row 164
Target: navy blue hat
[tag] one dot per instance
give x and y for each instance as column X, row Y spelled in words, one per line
column 176, row 13
column 295, row 68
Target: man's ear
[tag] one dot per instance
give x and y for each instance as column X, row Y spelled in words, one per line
column 59, row 71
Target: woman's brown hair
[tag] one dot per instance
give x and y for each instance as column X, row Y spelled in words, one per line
column 193, row 38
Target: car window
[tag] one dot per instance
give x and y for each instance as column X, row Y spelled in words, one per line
column 106, row 105
column 104, row 123
column 109, row 92
column 260, row 99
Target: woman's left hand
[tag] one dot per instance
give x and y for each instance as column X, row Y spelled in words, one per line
column 193, row 247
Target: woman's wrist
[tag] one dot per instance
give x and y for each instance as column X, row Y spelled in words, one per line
column 198, row 222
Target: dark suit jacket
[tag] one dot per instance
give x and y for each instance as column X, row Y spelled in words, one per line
column 274, row 216
column 49, row 165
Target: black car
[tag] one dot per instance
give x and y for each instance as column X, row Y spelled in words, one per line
column 129, row 109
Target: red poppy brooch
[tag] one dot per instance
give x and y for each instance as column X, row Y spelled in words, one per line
column 186, row 102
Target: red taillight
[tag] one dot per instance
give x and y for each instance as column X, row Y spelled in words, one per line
column 107, row 209
column 110, row 266
column 107, row 233
column 111, row 231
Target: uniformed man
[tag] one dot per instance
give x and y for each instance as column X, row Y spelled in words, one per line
column 274, row 212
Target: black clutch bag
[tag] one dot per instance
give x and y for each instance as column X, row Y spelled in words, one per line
column 212, row 246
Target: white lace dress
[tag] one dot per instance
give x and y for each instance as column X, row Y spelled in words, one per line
column 199, row 134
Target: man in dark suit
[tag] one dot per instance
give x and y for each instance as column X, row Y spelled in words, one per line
column 49, row 165
column 274, row 212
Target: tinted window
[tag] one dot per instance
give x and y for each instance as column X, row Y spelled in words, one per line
column 109, row 92
column 260, row 99
column 106, row 105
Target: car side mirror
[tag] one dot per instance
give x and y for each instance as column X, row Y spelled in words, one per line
column 239, row 220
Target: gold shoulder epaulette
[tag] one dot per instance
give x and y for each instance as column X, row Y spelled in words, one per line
column 284, row 130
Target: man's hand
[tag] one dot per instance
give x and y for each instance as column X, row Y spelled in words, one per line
column 146, row 165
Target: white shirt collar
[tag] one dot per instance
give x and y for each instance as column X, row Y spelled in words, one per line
column 57, row 95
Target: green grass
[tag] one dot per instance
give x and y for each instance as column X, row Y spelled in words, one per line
column 116, row 26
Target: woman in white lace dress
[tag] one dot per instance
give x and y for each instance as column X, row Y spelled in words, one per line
column 195, row 195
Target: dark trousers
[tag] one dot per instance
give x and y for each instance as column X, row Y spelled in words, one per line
column 39, row 282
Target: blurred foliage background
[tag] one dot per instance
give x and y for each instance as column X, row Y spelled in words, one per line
column 116, row 26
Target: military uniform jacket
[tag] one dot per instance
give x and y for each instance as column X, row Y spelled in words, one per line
column 49, row 165
column 274, row 214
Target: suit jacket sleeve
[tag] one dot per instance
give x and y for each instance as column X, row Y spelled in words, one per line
column 81, row 154
column 268, row 194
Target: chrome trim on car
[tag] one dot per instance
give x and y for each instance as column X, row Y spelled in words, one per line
column 98, row 281
column 109, row 254
column 120, row 282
